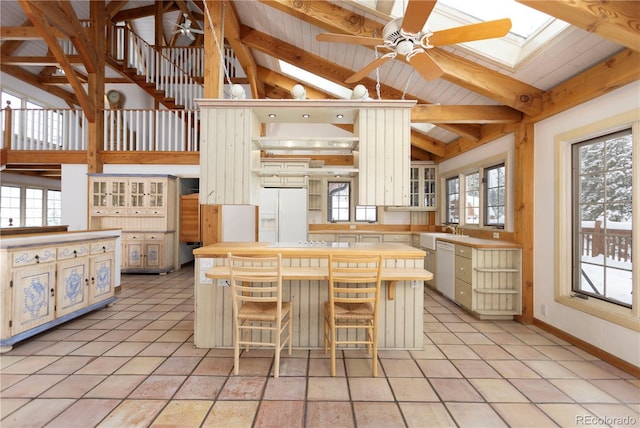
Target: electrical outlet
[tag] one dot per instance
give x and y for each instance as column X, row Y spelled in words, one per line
column 352, row 226
column 496, row 235
column 223, row 282
column 543, row 310
column 414, row 283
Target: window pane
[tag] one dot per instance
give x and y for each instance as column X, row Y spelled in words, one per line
column 9, row 206
column 602, row 229
column 366, row 213
column 453, row 198
column 472, row 198
column 54, row 207
column 338, row 200
column 33, row 207
column 494, row 178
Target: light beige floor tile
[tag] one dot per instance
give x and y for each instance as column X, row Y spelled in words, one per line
column 183, row 413
column 513, row 369
column 370, row 389
column 524, row 352
column 498, row 391
column 458, row 352
column 540, row 391
column 280, row 414
column 420, row 415
column 620, row 389
column 10, row 405
column 103, row 365
column 36, row 413
column 29, row 365
column 329, row 414
column 158, row 387
column 327, row 389
column 550, row 370
column 438, row 368
column 412, row 389
column 178, row 366
column 126, row 349
column 133, row 414
column 569, row 415
column 475, row 369
column 200, row 388
column 429, row 352
column 377, row 415
column 455, row 390
column 523, row 415
column 140, row 365
column 32, row 386
column 588, row 370
column 74, row 386
column 231, row 414
column 285, row 388
column 444, row 338
column 471, row 415
column 582, row 391
column 65, row 365
column 116, row 386
column 491, row 352
column 89, row 411
column 616, row 415
column 558, row 353
column 243, row 388
column 400, row 368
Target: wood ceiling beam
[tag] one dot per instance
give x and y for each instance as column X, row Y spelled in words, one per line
column 469, row 75
column 331, row 71
column 41, row 61
column 26, row 33
column 242, row 52
column 140, row 12
column 113, row 7
column 435, row 113
column 34, row 80
column 613, row 20
column 37, row 18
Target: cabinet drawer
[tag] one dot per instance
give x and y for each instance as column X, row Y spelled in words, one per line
column 32, row 257
column 463, row 251
column 463, row 294
column 99, row 211
column 404, row 239
column 73, row 251
column 100, row 247
column 463, row 269
column 133, row 236
column 153, row 236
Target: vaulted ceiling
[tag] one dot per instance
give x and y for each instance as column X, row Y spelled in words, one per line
column 477, row 98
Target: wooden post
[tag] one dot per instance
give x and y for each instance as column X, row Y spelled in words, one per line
column 523, row 208
column 96, row 87
column 8, row 126
column 213, row 83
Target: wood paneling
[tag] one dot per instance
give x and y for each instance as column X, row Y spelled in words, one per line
column 190, row 218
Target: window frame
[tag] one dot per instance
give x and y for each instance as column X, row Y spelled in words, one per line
column 623, row 316
column 485, row 192
column 45, row 215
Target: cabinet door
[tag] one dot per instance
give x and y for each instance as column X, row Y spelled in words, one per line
column 370, row 238
column 101, row 277
column 347, row 237
column 134, row 255
column 72, row 287
column 99, row 199
column 157, row 198
column 429, row 199
column 153, row 254
column 118, row 194
column 33, row 297
column 136, row 193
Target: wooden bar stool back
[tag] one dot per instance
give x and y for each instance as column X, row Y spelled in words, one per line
column 354, row 294
column 260, row 317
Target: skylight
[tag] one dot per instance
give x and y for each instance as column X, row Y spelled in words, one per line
column 305, row 77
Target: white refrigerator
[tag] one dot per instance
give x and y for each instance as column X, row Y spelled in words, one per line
column 282, row 215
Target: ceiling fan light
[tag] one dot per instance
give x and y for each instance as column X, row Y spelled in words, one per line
column 298, row 92
column 404, row 47
column 360, row 92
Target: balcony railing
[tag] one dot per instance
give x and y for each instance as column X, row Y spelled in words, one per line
column 125, row 130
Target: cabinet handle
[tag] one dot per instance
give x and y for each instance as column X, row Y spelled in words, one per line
column 53, row 292
column 93, row 280
column 86, row 281
column 75, row 253
column 104, row 249
column 37, row 257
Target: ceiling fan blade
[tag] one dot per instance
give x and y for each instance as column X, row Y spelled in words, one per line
column 196, row 30
column 469, row 33
column 189, row 35
column 370, row 67
column 416, row 15
column 343, row 38
column 426, row 66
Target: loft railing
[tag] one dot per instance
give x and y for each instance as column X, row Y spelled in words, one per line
column 125, row 130
column 140, row 57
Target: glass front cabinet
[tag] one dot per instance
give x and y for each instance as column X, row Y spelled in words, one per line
column 423, row 185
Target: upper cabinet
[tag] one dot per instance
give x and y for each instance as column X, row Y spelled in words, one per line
column 232, row 145
column 422, row 186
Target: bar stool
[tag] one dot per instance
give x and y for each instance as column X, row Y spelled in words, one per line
column 260, row 317
column 354, row 294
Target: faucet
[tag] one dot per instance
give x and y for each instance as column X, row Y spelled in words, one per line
column 456, row 230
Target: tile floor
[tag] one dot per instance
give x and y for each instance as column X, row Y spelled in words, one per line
column 134, row 365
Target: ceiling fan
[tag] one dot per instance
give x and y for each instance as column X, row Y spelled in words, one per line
column 186, row 28
column 405, row 36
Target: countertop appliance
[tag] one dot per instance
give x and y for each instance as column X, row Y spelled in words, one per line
column 282, row 215
column 445, row 268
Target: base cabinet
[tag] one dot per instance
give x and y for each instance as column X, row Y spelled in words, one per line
column 488, row 281
column 48, row 284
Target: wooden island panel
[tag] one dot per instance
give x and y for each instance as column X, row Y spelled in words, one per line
column 306, row 273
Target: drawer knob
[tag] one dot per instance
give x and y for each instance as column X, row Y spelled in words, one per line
column 37, row 257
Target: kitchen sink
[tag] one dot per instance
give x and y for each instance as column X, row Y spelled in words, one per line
column 428, row 239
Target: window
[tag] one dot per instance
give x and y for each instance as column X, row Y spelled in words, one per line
column 602, row 189
column 33, row 205
column 472, row 198
column 54, row 207
column 366, row 213
column 477, row 195
column 453, row 199
column 339, row 198
column 494, row 191
column 25, row 206
column 9, row 206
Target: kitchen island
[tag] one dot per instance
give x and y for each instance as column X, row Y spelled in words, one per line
column 305, row 275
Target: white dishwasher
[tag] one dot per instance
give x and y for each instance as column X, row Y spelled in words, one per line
column 445, row 269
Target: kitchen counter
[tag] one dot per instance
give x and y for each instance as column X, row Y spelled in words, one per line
column 305, row 273
column 477, row 242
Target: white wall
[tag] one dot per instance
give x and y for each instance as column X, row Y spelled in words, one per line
column 619, row 341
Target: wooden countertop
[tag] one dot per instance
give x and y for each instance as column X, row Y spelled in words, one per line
column 387, row 249
column 478, row 242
